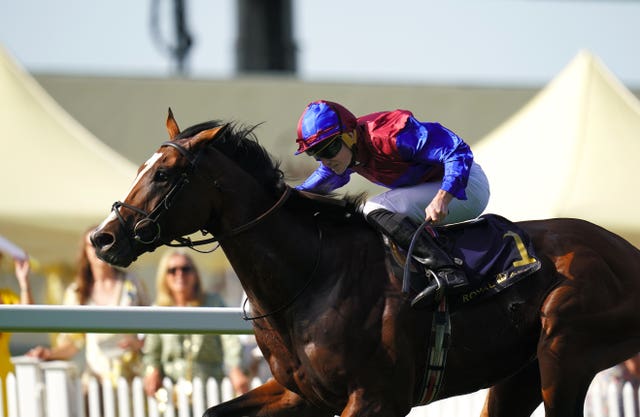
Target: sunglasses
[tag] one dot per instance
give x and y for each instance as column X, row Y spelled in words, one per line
column 184, row 269
column 328, row 151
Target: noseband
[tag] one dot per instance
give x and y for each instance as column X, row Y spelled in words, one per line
column 151, row 218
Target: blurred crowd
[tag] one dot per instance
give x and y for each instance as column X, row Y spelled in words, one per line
column 153, row 357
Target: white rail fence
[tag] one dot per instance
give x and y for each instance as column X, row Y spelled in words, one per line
column 53, row 389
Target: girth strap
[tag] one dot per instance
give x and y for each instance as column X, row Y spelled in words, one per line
column 439, row 346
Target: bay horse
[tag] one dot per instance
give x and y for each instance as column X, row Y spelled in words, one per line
column 330, row 315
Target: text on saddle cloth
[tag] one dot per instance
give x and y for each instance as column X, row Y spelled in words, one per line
column 494, row 251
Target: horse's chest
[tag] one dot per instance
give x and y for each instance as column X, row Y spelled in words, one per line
column 312, row 374
column 307, row 364
column 311, row 357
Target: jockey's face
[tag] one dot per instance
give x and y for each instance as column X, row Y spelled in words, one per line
column 340, row 162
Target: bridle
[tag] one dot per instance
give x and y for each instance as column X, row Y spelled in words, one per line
column 152, row 217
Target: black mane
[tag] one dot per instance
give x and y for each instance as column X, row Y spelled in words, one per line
column 240, row 144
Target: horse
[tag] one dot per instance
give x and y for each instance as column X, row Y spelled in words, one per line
column 329, row 314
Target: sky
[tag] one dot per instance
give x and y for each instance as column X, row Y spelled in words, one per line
column 456, row 42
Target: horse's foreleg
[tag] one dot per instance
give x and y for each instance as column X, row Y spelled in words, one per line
column 269, row 399
column 564, row 361
column 518, row 395
column 564, row 383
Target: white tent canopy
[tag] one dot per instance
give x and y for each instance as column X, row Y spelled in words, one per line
column 57, row 178
column 572, row 151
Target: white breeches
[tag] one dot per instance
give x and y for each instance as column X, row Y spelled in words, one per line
column 413, row 200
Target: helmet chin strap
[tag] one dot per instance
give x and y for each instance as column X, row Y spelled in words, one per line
column 350, row 138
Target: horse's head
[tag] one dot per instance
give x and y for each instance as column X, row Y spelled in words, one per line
column 171, row 184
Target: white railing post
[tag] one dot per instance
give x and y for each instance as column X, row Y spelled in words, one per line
column 612, row 401
column 12, row 396
column 60, row 385
column 182, row 393
column 1, row 399
column 628, row 399
column 137, row 397
column 213, row 392
column 108, row 399
column 226, row 389
column 93, row 398
column 152, row 407
column 170, row 410
column 123, row 398
column 79, row 398
column 197, row 397
column 29, row 386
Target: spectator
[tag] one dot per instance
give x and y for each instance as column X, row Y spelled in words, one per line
column 107, row 356
column 7, row 296
column 178, row 356
column 618, row 375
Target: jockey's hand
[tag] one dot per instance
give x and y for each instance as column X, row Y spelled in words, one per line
column 438, row 209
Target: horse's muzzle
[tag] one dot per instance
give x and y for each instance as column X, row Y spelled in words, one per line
column 106, row 248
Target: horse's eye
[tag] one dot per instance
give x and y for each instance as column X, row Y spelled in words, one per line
column 160, row 176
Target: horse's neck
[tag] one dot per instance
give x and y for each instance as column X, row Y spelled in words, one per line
column 274, row 259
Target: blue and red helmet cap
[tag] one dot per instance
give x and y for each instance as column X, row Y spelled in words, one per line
column 322, row 120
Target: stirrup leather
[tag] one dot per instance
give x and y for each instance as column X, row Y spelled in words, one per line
column 437, row 279
column 430, row 292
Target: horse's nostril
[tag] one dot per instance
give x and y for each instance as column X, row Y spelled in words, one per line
column 101, row 240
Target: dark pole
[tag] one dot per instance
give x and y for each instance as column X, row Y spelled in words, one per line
column 183, row 38
column 180, row 48
column 265, row 37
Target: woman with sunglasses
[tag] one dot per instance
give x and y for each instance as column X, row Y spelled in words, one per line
column 179, row 356
column 429, row 170
column 96, row 283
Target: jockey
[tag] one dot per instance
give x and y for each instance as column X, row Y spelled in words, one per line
column 429, row 170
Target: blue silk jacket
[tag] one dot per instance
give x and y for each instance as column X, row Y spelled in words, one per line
column 394, row 150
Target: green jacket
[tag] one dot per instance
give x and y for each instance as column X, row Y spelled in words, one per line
column 188, row 356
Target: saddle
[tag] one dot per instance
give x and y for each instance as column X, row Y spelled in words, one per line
column 494, row 253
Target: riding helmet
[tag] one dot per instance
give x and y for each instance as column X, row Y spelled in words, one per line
column 322, row 120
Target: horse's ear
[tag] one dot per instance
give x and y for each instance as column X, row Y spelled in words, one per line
column 172, row 125
column 208, row 134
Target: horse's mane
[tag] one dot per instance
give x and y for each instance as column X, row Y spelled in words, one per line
column 240, row 144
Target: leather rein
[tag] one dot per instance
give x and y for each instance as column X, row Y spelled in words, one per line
column 152, row 217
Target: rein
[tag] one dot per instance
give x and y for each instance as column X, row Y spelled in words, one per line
column 407, row 263
column 152, row 217
column 187, row 242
